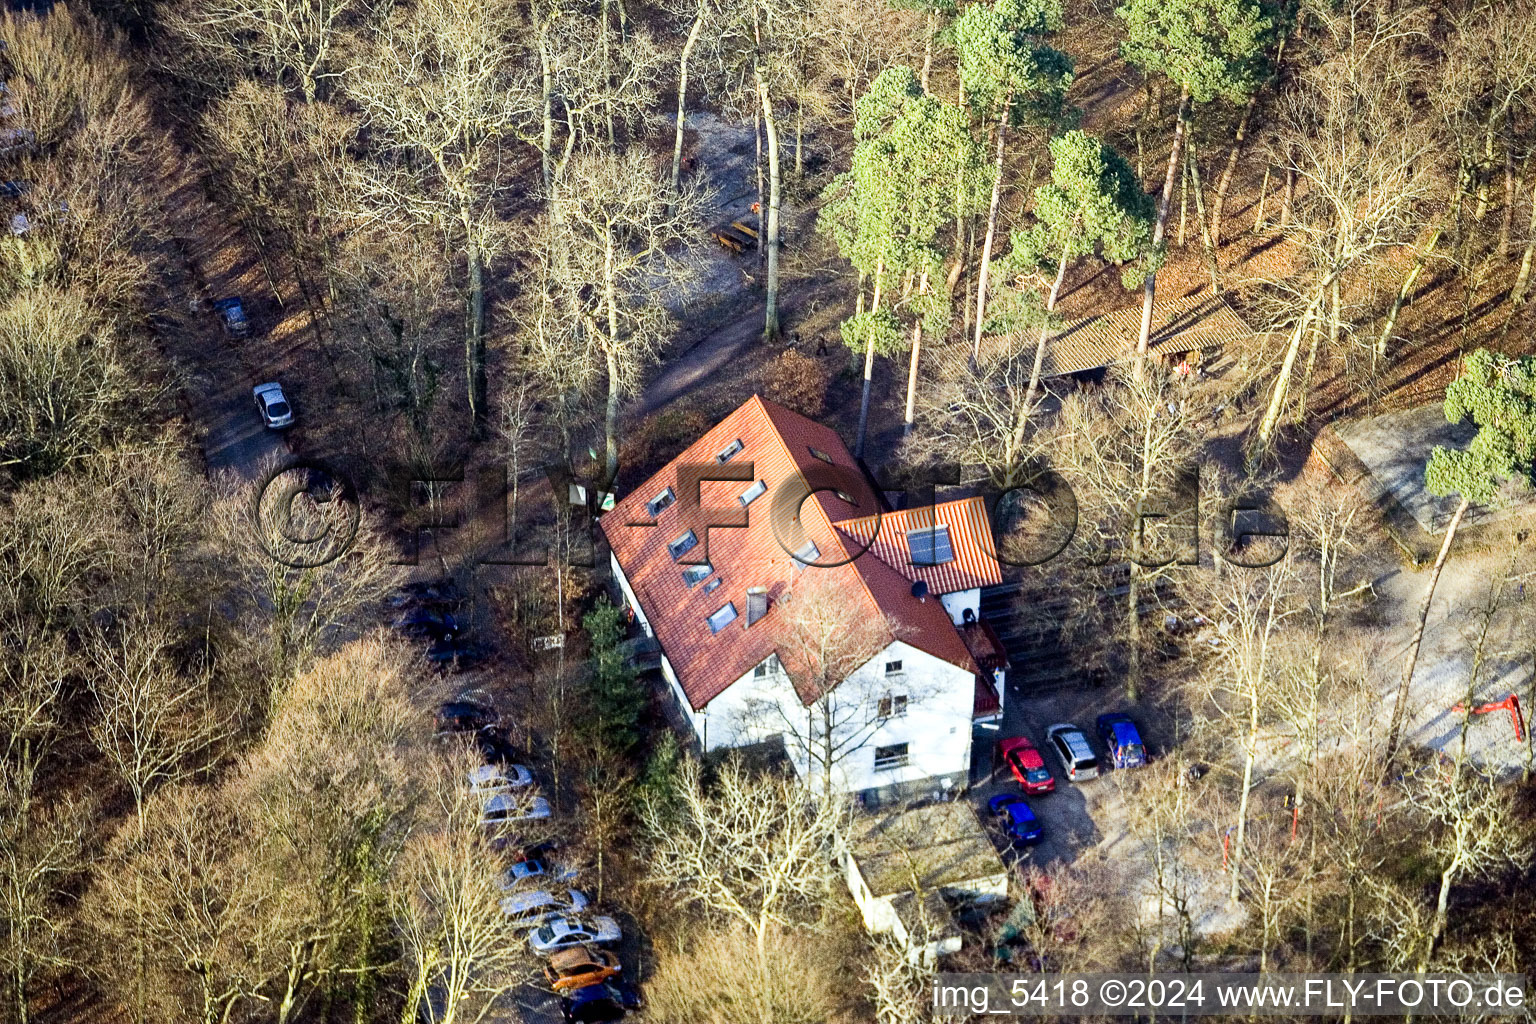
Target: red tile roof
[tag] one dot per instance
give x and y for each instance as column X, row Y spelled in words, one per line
column 974, row 565
column 782, row 448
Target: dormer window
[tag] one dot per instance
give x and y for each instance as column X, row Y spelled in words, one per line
column 730, row 451
column 930, row 546
column 693, row 575
column 713, row 585
column 806, row 554
column 723, row 616
column 661, row 501
column 684, row 544
column 752, row 493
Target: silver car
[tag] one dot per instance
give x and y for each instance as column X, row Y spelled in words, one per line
column 1073, row 751
column 564, row 932
column 273, row 405
column 531, row 909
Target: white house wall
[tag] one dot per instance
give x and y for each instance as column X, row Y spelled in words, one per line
column 961, row 601
column 936, row 726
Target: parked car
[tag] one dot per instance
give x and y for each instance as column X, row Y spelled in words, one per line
column 1027, row 765
column 465, row 716
column 1072, row 749
column 501, row 808
column 273, row 405
column 493, row 778
column 456, row 652
column 578, row 967
column 1016, row 818
column 1122, row 739
column 565, row 932
column 604, row 1001
column 531, row 909
column 494, row 748
column 436, row 593
column 533, row 871
column 232, row 315
column 435, row 623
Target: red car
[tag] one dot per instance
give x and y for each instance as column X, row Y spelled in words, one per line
column 1027, row 765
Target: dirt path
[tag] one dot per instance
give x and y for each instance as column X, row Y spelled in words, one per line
column 206, row 258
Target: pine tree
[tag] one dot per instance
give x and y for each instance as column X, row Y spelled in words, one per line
column 1009, row 76
column 1209, row 48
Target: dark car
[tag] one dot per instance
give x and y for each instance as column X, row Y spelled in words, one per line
column 456, row 652
column 429, row 622
column 435, row 594
column 465, row 716
column 1016, row 818
column 604, row 1001
column 232, row 314
column 1120, row 735
column 494, row 748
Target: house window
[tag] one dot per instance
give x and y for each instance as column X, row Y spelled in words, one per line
column 730, row 451
column 695, row 574
column 684, row 544
column 823, row 456
column 769, row 666
column 661, row 501
column 893, row 756
column 722, row 617
column 751, row 494
column 806, row 553
column 893, row 668
column 930, row 547
column 713, row 585
column 892, row 705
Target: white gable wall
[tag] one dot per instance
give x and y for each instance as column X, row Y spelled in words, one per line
column 936, row 726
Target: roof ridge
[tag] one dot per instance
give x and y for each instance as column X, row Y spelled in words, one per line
column 809, row 499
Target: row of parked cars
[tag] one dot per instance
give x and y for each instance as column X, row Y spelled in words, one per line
column 538, row 895
column 1078, row 762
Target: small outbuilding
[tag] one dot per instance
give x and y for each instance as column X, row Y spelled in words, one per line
column 906, row 866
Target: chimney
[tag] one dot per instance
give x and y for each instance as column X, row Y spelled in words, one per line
column 920, row 590
column 757, row 604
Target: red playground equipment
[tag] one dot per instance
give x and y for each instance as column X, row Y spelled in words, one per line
column 1510, row 703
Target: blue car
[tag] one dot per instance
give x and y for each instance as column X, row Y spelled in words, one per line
column 1016, row 818
column 1123, row 740
column 232, row 314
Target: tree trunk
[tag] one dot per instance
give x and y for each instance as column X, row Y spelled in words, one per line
column 1406, row 289
column 1250, row 749
column 1133, row 624
column 1517, row 293
column 986, row 245
column 917, row 347
column 547, row 103
column 682, row 99
column 1399, row 710
column 1219, row 207
column 1149, row 287
column 1045, row 328
column 607, row 73
column 1282, row 382
column 474, row 336
column 1258, row 218
column 1182, row 236
column 771, row 221
column 1507, row 222
column 1288, row 196
column 1205, row 236
column 869, row 365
